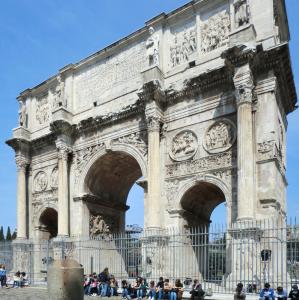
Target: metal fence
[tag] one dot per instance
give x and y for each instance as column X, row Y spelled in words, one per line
column 220, row 257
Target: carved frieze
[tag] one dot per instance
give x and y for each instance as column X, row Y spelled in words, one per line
column 184, row 145
column 215, row 31
column 241, row 13
column 213, row 162
column 220, row 136
column 42, row 110
column 54, row 178
column 183, row 46
column 137, row 139
column 40, row 181
column 45, row 196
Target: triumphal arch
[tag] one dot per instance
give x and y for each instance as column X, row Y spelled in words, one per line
column 193, row 107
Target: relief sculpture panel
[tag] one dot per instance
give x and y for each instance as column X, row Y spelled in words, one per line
column 220, row 136
column 184, row 44
column 42, row 111
column 184, row 145
column 40, row 181
column 215, row 31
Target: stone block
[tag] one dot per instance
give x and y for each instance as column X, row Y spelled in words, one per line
column 65, row 280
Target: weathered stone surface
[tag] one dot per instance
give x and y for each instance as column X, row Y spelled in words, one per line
column 196, row 103
column 65, row 279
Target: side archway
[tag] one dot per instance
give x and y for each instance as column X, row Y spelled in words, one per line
column 48, row 223
column 199, row 196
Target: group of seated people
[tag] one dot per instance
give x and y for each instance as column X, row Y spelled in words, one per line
column 268, row 293
column 106, row 285
column 19, row 279
column 163, row 289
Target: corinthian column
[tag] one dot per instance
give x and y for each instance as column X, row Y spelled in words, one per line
column 21, row 197
column 246, row 189
column 153, row 206
column 63, row 189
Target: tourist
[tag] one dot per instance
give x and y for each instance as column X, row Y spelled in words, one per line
column 126, row 290
column 86, row 284
column 160, row 288
column 17, row 280
column 113, row 285
column 294, row 293
column 239, row 294
column 166, row 289
column 139, row 287
column 104, row 282
column 176, row 290
column 197, row 292
column 281, row 293
column 152, row 291
column 3, row 277
column 267, row 293
column 23, row 279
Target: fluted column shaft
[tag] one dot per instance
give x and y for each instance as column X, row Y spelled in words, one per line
column 246, row 187
column 21, row 199
column 63, row 192
column 154, row 172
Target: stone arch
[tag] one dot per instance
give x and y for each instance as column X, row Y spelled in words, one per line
column 208, row 179
column 48, row 222
column 128, row 149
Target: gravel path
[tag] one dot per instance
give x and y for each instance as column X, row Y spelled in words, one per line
column 30, row 293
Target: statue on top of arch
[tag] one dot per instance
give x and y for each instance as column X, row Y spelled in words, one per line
column 152, row 48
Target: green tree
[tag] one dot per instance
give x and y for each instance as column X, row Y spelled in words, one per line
column 8, row 234
column 1, row 234
column 14, row 235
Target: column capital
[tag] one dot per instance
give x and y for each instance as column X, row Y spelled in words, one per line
column 244, row 85
column 153, row 123
column 63, row 149
column 153, row 116
column 22, row 162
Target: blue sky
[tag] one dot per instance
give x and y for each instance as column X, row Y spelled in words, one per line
column 38, row 37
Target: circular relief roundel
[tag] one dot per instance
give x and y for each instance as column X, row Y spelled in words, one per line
column 184, row 145
column 220, row 136
column 40, row 181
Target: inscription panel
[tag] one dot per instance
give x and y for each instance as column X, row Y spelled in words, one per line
column 92, row 82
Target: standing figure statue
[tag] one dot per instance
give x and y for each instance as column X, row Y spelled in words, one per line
column 241, row 13
column 22, row 115
column 152, row 48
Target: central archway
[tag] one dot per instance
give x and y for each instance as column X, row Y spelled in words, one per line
column 108, row 182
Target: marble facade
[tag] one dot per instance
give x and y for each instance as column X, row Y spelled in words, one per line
column 194, row 105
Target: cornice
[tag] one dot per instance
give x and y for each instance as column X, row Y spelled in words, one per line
column 111, row 118
column 201, row 83
column 278, row 60
column 19, row 145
